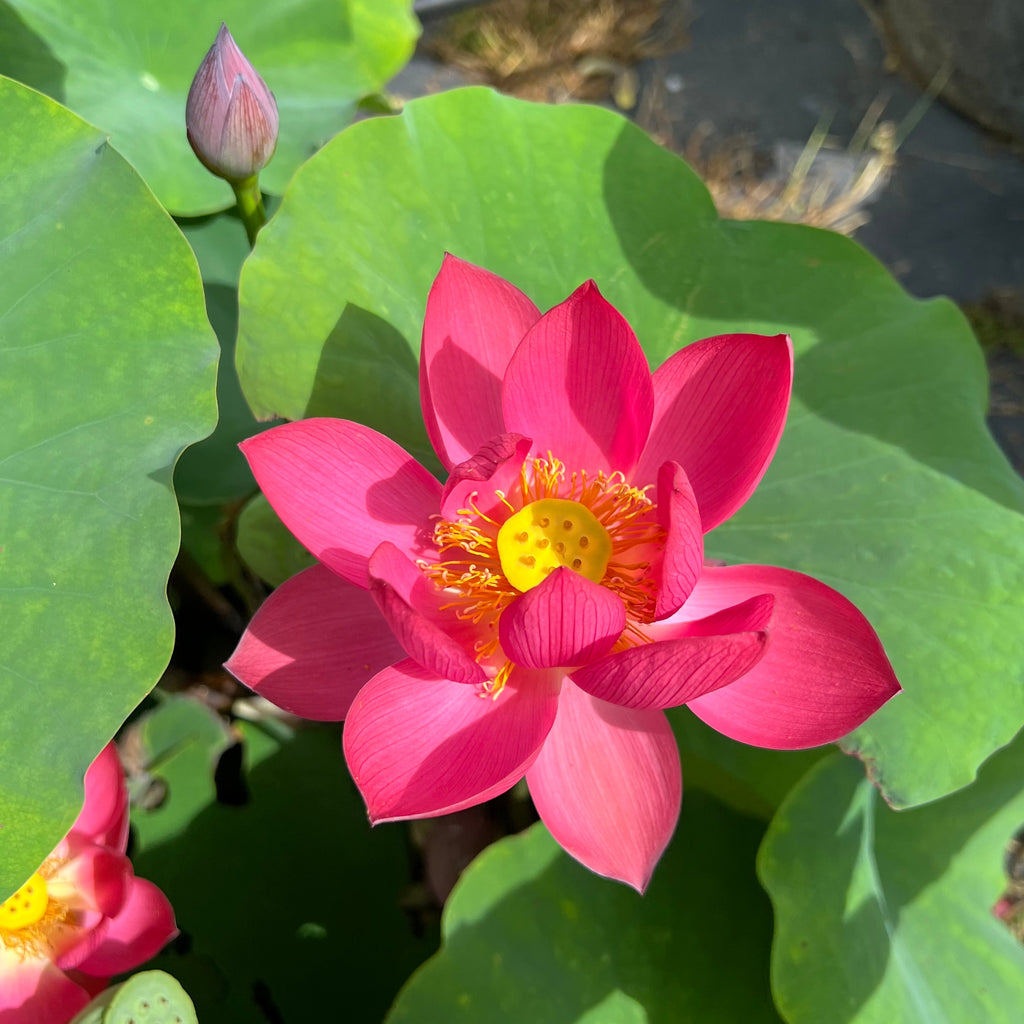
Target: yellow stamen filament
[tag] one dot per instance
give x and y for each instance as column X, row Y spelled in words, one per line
column 494, row 686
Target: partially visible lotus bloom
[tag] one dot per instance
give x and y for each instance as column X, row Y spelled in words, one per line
column 83, row 916
column 231, row 115
column 534, row 614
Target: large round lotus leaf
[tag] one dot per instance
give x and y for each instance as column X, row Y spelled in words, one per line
column 108, row 371
column 887, row 484
column 748, row 779
column 127, row 67
column 530, row 935
column 883, row 915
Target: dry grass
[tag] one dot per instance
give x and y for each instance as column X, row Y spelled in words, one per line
column 822, row 185
column 558, row 50
column 563, row 50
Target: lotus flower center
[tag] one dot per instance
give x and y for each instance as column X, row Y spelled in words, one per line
column 26, row 906
column 549, row 533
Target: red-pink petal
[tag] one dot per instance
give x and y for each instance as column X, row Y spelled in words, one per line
column 411, row 584
column 93, row 877
column 476, row 482
column 313, row 644
column 608, row 785
column 418, row 746
column 683, row 558
column 342, row 488
column 719, row 409
column 680, row 664
column 579, row 385
column 36, row 991
column 474, row 320
column 93, row 985
column 422, row 639
column 142, row 928
column 752, row 615
column 565, row 620
column 823, row 674
column 103, row 819
column 76, row 946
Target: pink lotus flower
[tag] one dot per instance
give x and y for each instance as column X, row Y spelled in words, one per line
column 230, row 115
column 534, row 615
column 83, row 916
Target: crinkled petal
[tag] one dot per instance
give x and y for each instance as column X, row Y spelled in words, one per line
column 421, row 638
column 342, row 488
column 473, row 322
column 683, row 557
column 313, row 644
column 36, row 992
column 413, row 586
column 823, row 674
column 684, row 661
column 565, row 620
column 103, row 819
column 608, row 785
column 143, row 927
column 406, row 578
column 475, row 483
column 418, row 746
column 76, row 945
column 719, row 409
column 579, row 385
column 92, row 877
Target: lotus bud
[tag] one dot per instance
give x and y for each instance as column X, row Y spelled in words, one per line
column 231, row 115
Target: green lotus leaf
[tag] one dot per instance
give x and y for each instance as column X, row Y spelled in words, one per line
column 214, row 471
column 180, row 742
column 127, row 67
column 531, row 935
column 887, row 484
column 748, row 779
column 266, row 546
column 108, row 372
column 884, row 915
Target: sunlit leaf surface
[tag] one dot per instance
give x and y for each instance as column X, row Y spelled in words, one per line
column 107, row 367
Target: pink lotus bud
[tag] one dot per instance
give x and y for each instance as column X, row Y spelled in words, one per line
column 231, row 115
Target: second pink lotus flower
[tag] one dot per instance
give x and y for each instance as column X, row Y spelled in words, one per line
column 534, row 614
column 83, row 917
